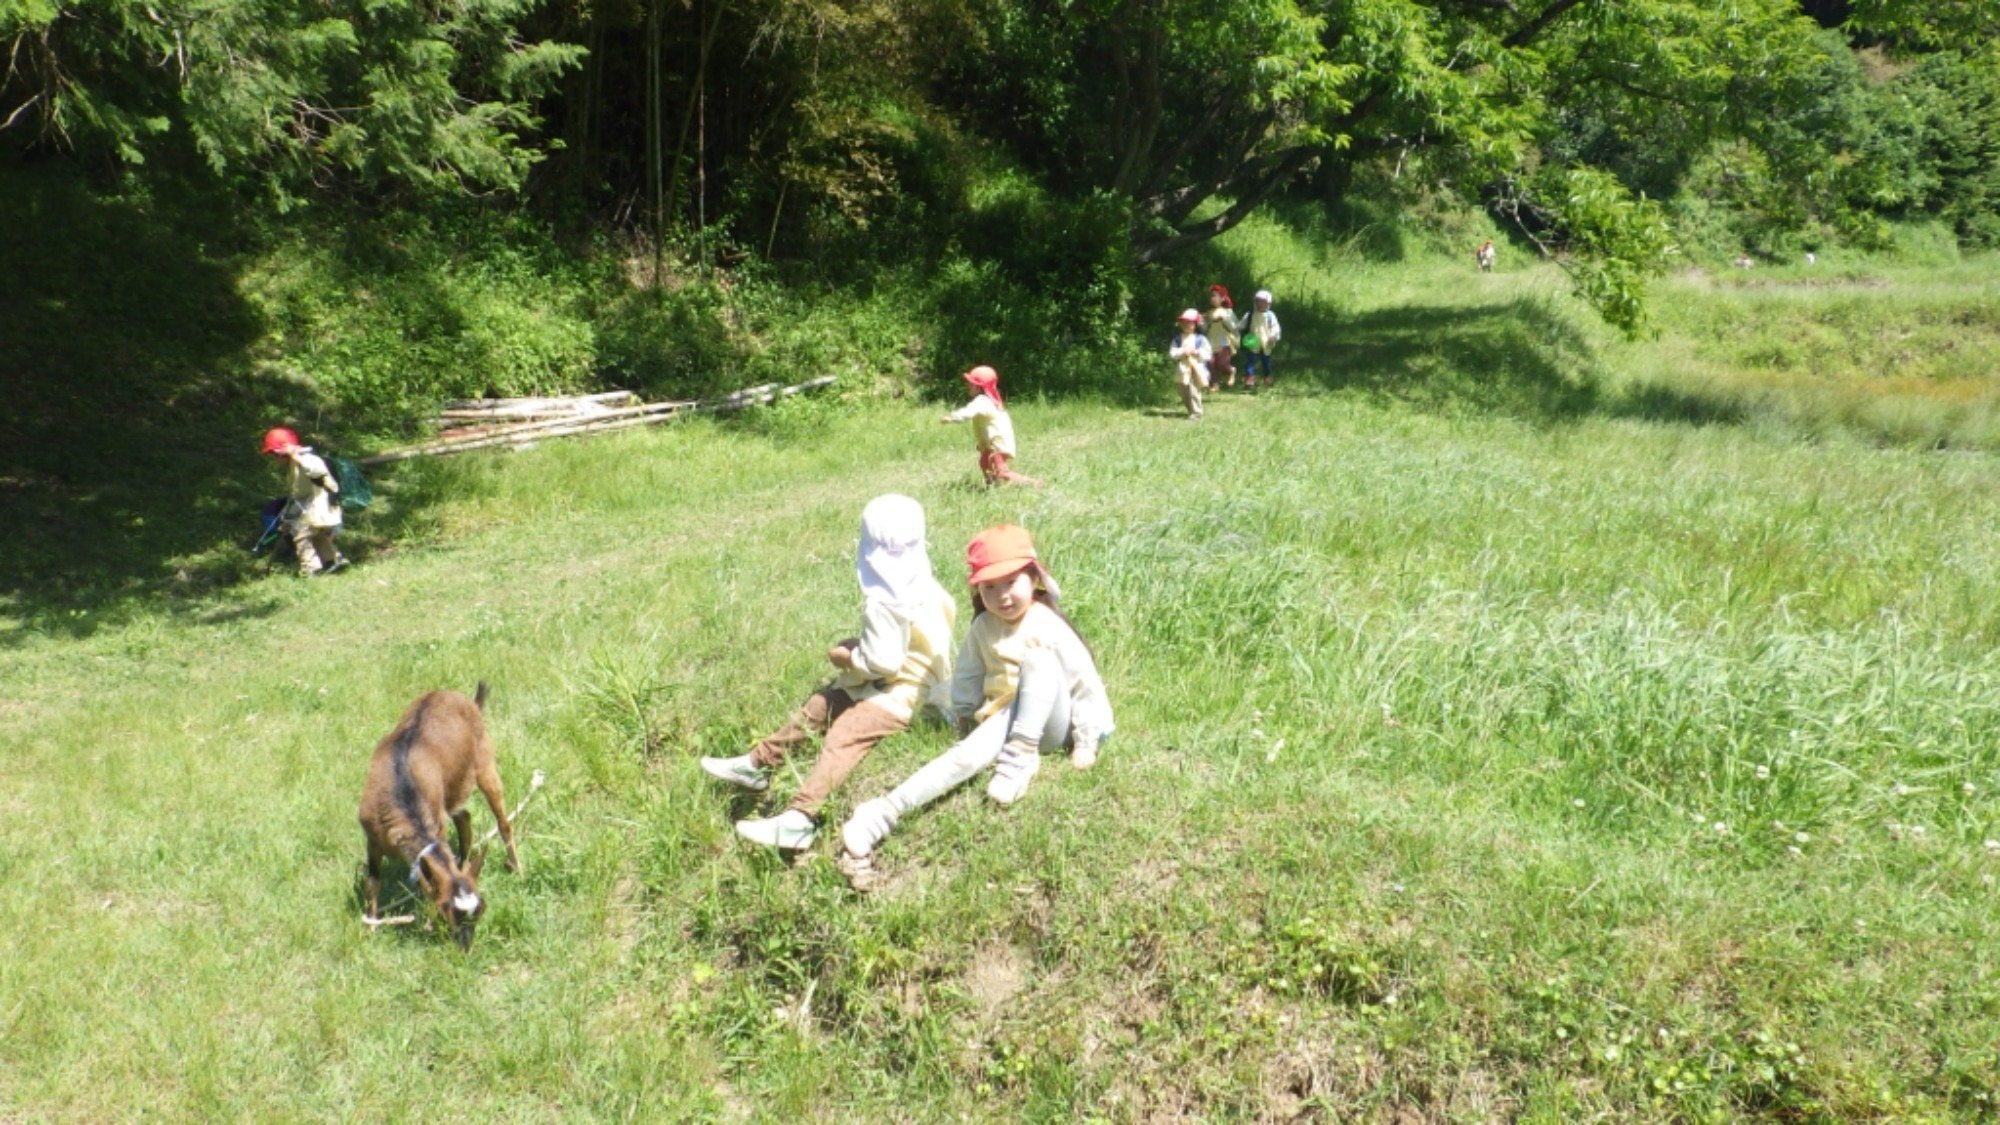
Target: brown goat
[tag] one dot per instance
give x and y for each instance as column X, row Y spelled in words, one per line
column 423, row 771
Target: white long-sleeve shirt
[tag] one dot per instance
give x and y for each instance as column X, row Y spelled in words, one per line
column 1264, row 326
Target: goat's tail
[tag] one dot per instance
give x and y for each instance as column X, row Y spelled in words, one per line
column 479, row 697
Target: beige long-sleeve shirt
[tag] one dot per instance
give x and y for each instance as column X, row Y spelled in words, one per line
column 313, row 488
column 988, row 670
column 905, row 652
column 991, row 428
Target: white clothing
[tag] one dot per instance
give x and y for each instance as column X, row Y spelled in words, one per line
column 903, row 659
column 1264, row 326
column 991, row 428
column 314, row 492
column 892, row 561
column 1191, row 355
column 1047, row 713
column 1222, row 327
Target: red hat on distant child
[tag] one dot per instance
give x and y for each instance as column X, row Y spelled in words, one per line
column 987, row 380
column 1218, row 287
column 280, row 441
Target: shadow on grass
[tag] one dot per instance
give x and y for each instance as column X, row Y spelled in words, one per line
column 129, row 470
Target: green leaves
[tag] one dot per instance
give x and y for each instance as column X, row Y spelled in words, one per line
column 292, row 92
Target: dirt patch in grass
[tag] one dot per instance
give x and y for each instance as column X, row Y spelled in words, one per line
column 997, row 974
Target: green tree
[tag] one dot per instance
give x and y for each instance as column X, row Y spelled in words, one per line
column 292, row 91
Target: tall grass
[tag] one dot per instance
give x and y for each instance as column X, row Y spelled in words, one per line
column 1468, row 766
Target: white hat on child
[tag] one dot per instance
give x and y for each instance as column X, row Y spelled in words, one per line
column 1263, row 295
column 893, row 561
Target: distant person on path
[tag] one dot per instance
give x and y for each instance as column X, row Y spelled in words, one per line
column 992, row 429
column 1221, row 337
column 311, row 515
column 1260, row 333
column 1485, row 255
column 1024, row 684
column 1192, row 356
column 881, row 679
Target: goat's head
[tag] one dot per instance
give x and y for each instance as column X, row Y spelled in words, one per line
column 455, row 893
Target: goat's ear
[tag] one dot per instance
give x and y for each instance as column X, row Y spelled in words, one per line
column 478, row 861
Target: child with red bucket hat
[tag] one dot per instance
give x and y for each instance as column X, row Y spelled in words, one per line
column 992, row 429
column 1024, row 683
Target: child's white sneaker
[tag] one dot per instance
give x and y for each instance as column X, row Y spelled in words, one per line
column 737, row 771
column 791, row 831
column 866, row 827
column 1012, row 773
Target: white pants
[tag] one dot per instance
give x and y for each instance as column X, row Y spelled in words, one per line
column 1039, row 714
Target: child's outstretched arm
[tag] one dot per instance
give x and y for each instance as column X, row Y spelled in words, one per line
column 971, row 410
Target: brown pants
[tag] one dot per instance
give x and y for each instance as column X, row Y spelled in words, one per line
column 852, row 730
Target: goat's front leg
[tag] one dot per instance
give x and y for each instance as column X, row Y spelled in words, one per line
column 462, row 820
column 374, row 880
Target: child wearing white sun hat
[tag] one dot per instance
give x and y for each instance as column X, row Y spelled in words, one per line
column 881, row 678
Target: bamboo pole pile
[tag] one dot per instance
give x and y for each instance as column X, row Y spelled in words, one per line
column 513, row 423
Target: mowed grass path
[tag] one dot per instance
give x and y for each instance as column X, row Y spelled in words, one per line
column 1466, row 768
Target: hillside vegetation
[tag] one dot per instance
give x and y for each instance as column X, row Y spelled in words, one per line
column 1514, row 722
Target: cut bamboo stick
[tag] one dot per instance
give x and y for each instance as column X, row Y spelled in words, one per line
column 601, row 421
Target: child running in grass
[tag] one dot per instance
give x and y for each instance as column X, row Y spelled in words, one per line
column 1222, row 337
column 1191, row 355
column 992, row 429
column 881, row 679
column 1024, row 684
column 1260, row 333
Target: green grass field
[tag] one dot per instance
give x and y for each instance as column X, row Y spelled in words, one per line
column 1514, row 723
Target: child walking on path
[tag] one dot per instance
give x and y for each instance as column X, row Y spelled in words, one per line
column 1025, row 684
column 1192, row 356
column 1222, row 337
column 1260, row 332
column 881, row 679
column 311, row 515
column 992, row 429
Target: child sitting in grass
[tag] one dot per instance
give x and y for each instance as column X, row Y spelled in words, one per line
column 1025, row 683
column 992, row 429
column 880, row 680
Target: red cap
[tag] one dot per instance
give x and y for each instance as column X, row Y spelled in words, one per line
column 986, row 379
column 999, row 552
column 280, row 440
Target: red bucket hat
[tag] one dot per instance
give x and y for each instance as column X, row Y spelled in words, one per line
column 999, row 552
column 986, row 379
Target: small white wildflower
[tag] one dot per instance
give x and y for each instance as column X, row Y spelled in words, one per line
column 1902, row 790
column 1969, row 787
column 1721, row 829
column 1763, row 773
column 1993, row 847
column 1916, row 831
column 1779, row 825
column 1578, row 802
column 1794, row 850
column 1803, row 837
column 1257, row 732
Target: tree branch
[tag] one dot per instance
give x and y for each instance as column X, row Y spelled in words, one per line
column 1275, row 177
column 1528, row 31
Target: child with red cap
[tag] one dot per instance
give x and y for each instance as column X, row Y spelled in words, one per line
column 1024, row 683
column 312, row 507
column 1192, row 358
column 992, row 429
column 881, row 678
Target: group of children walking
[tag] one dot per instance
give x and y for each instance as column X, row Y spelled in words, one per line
column 1205, row 347
column 1022, row 684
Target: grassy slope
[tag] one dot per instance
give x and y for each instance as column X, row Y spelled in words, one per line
column 1520, row 667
